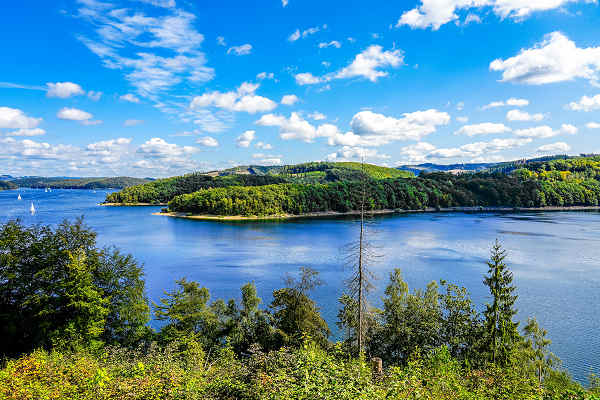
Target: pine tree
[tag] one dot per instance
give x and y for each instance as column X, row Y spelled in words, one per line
column 502, row 334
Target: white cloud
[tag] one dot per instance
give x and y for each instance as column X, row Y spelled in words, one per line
column 317, row 116
column 31, row 151
column 74, row 114
column 27, row 132
column 518, row 115
column 416, row 153
column 460, row 106
column 160, row 3
column 586, row 104
column 294, row 127
column 544, row 131
column 172, row 35
column 132, row 122
column 208, row 141
column 264, row 75
column 94, row 96
column 297, row 34
column 367, row 63
column 245, row 139
column 212, row 122
column 63, row 90
column 592, row 125
column 348, row 153
column 514, row 102
column 263, row 146
column 130, row 98
column 221, row 41
column 435, row 13
column 478, row 148
column 241, row 50
column 333, row 43
column 555, row 59
column 485, row 128
column 159, row 148
column 558, row 147
column 462, row 120
column 108, row 150
column 284, row 3
column 306, row 78
column 289, row 99
column 13, row 118
column 243, row 99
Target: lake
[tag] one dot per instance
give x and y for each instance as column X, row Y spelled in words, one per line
column 555, row 256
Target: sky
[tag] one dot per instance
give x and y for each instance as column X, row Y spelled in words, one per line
column 155, row 88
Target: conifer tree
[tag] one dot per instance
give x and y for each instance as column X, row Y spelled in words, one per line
column 502, row 334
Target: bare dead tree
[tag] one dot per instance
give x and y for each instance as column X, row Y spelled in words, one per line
column 360, row 255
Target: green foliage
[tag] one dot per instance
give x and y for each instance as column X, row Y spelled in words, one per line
column 501, row 331
column 295, row 314
column 118, row 182
column 57, row 288
column 7, row 185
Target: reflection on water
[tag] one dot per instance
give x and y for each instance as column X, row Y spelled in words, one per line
column 554, row 256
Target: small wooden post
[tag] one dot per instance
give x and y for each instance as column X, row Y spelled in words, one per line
column 377, row 367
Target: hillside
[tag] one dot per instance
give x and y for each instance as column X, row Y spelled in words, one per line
column 6, row 185
column 164, row 190
column 78, row 183
column 557, row 183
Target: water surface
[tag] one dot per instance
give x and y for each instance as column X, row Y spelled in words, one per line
column 555, row 256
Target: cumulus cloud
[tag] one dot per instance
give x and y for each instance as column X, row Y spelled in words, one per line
column 486, row 128
column 208, row 141
column 518, row 115
column 263, row 146
column 317, row 116
column 13, row 118
column 221, row 41
column 558, row 147
column 289, row 99
column 555, row 59
column 74, row 114
column 348, row 153
column 159, row 148
column 592, row 125
column 265, row 75
column 284, row 3
column 29, row 150
column 245, row 139
column 586, row 104
column 478, row 148
column 306, row 78
column 462, row 120
column 514, row 102
column 94, row 96
column 544, row 131
column 243, row 99
column 63, row 90
column 241, row 50
column 435, row 13
column 27, row 132
column 367, row 64
column 294, row 127
column 131, row 98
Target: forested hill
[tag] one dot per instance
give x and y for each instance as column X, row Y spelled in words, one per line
column 164, row 190
column 571, row 182
column 119, row 182
column 6, row 185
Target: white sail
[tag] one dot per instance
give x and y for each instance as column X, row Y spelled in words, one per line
column 32, row 208
column 19, row 197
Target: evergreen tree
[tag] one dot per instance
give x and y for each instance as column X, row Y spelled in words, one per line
column 501, row 331
column 537, row 350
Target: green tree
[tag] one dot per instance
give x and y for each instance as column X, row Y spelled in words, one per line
column 189, row 315
column 56, row 286
column 501, row 331
column 537, row 350
column 295, row 313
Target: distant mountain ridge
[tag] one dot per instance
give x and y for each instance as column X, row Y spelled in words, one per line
column 37, row 182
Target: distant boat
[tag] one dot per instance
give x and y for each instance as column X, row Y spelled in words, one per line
column 32, row 208
column 46, row 190
column 19, row 197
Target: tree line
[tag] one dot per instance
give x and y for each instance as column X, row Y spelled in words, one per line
column 74, row 318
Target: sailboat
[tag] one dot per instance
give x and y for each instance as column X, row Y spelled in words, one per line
column 46, row 190
column 32, row 208
column 19, row 197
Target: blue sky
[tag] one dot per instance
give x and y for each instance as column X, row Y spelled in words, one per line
column 163, row 87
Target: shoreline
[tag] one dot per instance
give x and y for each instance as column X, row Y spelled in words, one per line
column 329, row 214
column 132, row 204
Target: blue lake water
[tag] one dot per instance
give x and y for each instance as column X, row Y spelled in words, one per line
column 555, row 257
